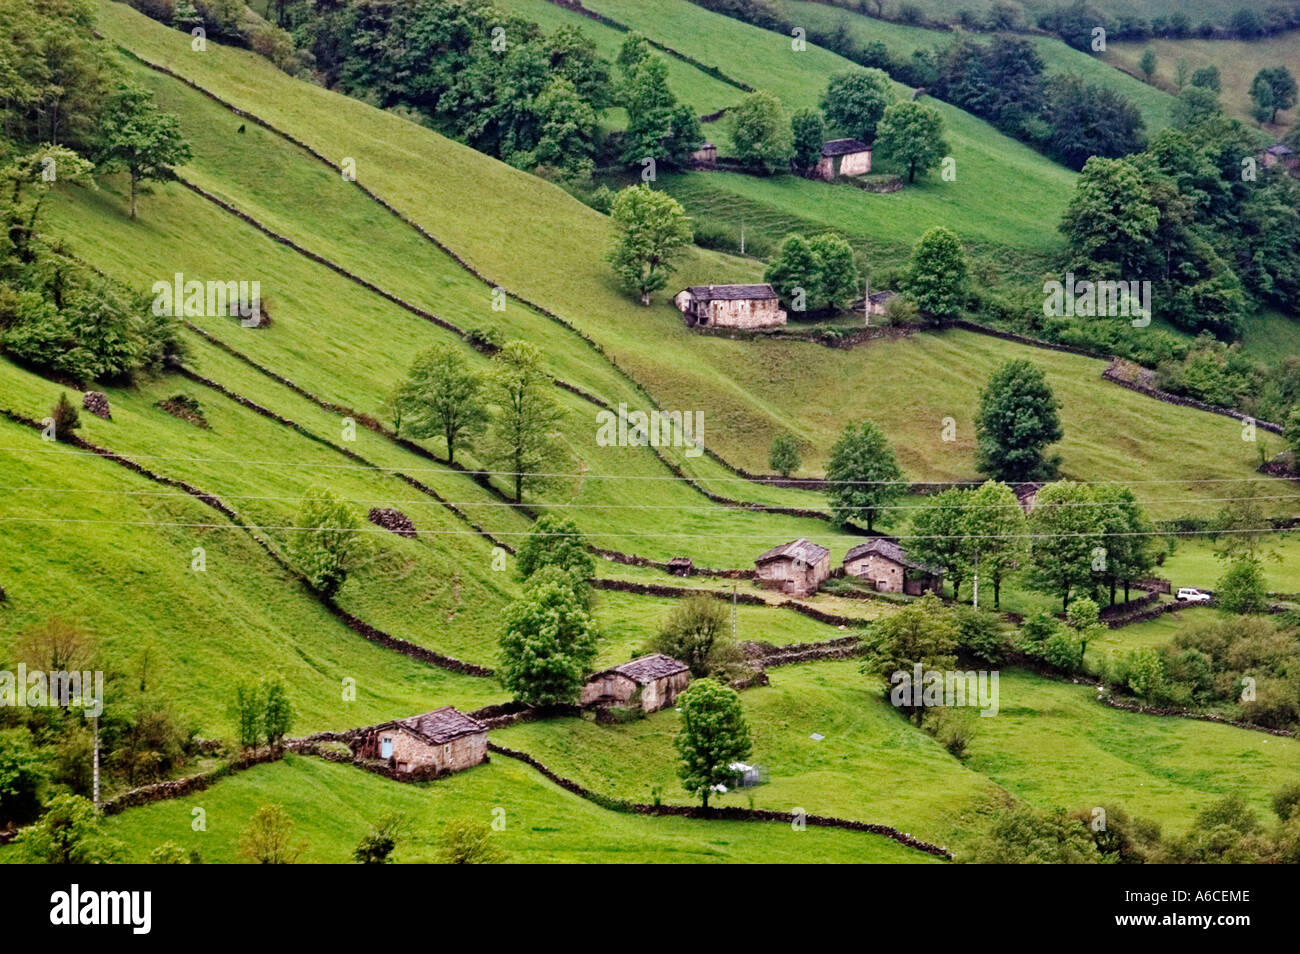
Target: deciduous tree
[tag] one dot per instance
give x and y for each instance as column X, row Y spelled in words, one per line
column 862, row 476
column 713, row 734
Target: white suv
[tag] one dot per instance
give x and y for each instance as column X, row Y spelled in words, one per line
column 1190, row 594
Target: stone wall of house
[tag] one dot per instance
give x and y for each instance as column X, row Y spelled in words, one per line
column 746, row 314
column 664, row 691
column 784, row 576
column 855, row 164
column 886, row 574
column 607, row 685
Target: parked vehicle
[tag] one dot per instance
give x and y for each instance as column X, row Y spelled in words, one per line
column 1190, row 594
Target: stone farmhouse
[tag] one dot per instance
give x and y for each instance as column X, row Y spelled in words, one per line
column 706, row 157
column 843, row 157
column 886, row 564
column 796, row 568
column 730, row 306
column 659, row 678
column 435, row 743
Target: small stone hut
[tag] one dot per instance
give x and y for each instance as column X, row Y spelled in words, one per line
column 730, row 306
column 886, row 564
column 796, row 568
column 659, row 678
column 1282, row 153
column 435, row 743
column 1027, row 494
column 843, row 157
column 706, row 157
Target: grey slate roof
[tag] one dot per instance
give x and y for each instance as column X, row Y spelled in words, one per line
column 649, row 668
column 889, row 550
column 843, row 147
column 800, row 549
column 1279, row 149
column 732, row 292
column 440, row 725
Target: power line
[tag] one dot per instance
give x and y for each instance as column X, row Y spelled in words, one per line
column 569, row 505
column 773, row 482
column 631, row 533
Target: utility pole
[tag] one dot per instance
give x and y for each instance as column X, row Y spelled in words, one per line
column 976, row 599
column 95, row 788
column 733, row 611
column 866, row 302
column 742, row 236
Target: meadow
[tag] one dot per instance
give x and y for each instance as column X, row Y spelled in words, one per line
column 332, row 807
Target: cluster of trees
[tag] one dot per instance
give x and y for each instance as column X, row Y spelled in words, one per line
column 1076, row 22
column 69, row 118
column 817, row 274
column 262, row 713
column 506, row 415
column 1004, row 81
column 1227, row 831
column 1078, row 538
column 1191, row 215
column 48, row 752
column 1247, row 668
column 858, row 105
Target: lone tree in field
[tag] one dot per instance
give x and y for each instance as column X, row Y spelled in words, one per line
column 713, row 735
column 135, row 137
column 784, row 456
column 442, row 396
column 468, row 842
column 761, row 134
column 328, row 542
column 1274, row 89
column 808, row 130
column 855, row 101
column 863, row 475
column 522, row 433
column 911, row 134
column 1015, row 423
column 548, row 642
column 268, row 840
column 698, row 632
column 652, row 231
column 1147, row 64
column 936, row 275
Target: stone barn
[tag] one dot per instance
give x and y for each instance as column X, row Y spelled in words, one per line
column 730, row 306
column 706, row 157
column 843, row 157
column 796, row 568
column 659, row 678
column 1284, row 154
column 1027, row 495
column 886, row 564
column 435, row 743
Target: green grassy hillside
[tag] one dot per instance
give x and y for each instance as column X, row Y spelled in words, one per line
column 747, row 391
column 1050, row 744
column 332, row 807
